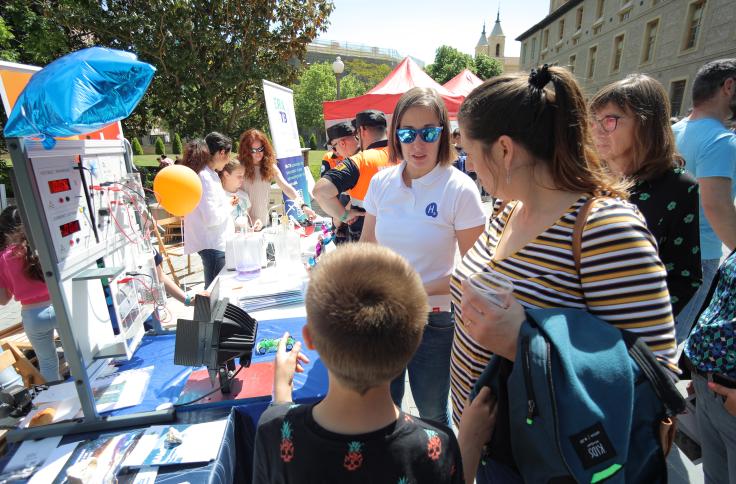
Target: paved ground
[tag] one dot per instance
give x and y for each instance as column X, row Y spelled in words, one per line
column 681, row 469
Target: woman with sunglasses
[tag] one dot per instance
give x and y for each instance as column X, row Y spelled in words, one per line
column 425, row 210
column 632, row 133
column 259, row 160
column 527, row 138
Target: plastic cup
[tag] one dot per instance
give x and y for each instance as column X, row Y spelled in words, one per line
column 494, row 287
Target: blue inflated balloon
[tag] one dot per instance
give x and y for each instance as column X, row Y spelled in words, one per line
column 79, row 93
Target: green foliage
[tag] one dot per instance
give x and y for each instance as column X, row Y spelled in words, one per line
column 313, row 142
column 210, row 56
column 301, row 141
column 448, row 62
column 316, row 85
column 486, row 67
column 159, row 144
column 177, row 147
column 5, row 178
column 7, row 52
column 137, row 148
column 368, row 73
column 37, row 36
column 236, row 146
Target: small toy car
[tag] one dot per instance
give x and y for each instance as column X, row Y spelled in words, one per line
column 270, row 345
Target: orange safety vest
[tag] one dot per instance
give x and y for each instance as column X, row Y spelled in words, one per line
column 369, row 162
column 332, row 159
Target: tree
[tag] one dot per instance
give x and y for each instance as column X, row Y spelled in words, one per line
column 448, row 62
column 316, row 85
column 301, row 141
column 486, row 67
column 160, row 148
column 210, row 56
column 236, row 146
column 176, row 146
column 137, row 148
column 7, row 52
column 368, row 73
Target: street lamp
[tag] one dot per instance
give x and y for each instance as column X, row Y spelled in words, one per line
column 338, row 67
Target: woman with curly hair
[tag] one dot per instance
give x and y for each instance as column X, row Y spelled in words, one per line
column 258, row 158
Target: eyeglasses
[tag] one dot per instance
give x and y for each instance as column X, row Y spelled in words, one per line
column 257, row 150
column 607, row 123
column 428, row 135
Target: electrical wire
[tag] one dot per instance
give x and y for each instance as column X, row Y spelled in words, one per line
column 209, row 393
column 114, row 219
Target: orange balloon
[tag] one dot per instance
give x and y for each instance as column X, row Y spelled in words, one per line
column 178, row 189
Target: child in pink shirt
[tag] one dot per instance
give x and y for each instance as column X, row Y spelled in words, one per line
column 21, row 278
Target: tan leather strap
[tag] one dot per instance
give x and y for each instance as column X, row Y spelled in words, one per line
column 577, row 231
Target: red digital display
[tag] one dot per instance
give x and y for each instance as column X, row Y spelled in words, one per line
column 70, row 228
column 61, row 185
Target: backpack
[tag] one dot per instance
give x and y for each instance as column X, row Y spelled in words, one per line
column 584, row 402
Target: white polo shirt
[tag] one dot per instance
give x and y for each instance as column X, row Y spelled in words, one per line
column 419, row 222
column 209, row 224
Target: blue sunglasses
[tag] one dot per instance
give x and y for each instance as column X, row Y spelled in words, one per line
column 428, row 135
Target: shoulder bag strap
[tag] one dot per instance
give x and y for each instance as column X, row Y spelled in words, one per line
column 577, row 231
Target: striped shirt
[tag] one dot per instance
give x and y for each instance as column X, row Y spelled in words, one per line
column 623, row 281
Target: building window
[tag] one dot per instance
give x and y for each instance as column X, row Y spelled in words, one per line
column 498, row 50
column 599, row 8
column 545, row 38
column 650, row 37
column 624, row 16
column 523, row 53
column 591, row 61
column 562, row 28
column 534, row 49
column 571, row 63
column 597, row 29
column 618, row 50
column 579, row 19
column 677, row 92
column 694, row 18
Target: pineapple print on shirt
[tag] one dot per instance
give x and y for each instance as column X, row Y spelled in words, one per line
column 434, row 445
column 287, row 446
column 354, row 458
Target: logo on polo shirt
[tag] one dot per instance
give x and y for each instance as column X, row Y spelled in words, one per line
column 431, row 210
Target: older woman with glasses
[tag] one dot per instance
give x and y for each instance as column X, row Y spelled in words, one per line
column 425, row 210
column 259, row 160
column 632, row 133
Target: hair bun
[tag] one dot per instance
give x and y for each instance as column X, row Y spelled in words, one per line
column 540, row 77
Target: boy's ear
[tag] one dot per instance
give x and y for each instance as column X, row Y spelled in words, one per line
column 307, row 337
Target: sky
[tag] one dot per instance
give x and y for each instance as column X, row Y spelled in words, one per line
column 418, row 28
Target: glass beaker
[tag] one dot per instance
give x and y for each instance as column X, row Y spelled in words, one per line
column 248, row 255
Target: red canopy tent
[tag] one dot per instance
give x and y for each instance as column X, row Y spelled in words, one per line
column 463, row 83
column 387, row 93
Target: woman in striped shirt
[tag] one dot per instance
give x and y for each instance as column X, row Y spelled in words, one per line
column 528, row 141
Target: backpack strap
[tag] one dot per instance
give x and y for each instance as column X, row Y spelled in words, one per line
column 577, row 231
column 661, row 382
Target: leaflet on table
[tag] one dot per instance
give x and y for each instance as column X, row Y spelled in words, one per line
column 111, row 392
column 100, row 460
column 199, row 443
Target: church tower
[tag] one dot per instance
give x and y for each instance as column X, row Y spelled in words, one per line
column 497, row 40
column 482, row 45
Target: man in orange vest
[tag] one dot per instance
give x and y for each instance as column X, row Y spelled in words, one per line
column 344, row 143
column 353, row 175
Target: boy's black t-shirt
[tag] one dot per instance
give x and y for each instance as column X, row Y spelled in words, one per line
column 292, row 448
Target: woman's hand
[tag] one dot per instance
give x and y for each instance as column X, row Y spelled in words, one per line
column 495, row 328
column 234, row 200
column 287, row 363
column 475, row 430
column 729, row 394
column 257, row 225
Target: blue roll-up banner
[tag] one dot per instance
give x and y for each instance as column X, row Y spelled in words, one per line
column 285, row 139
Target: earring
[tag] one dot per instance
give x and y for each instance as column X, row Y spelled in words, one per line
column 508, row 178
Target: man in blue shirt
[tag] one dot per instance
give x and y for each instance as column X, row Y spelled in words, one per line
column 709, row 150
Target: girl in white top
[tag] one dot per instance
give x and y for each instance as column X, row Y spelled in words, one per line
column 425, row 209
column 258, row 158
column 206, row 227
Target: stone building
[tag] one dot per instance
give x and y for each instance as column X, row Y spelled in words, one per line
column 494, row 46
column 602, row 41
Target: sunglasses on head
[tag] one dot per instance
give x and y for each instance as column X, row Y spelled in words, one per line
column 428, row 135
column 257, row 150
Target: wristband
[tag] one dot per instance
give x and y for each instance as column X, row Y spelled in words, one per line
column 187, row 299
column 344, row 216
column 304, row 205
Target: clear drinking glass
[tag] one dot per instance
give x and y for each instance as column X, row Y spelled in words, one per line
column 494, row 287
